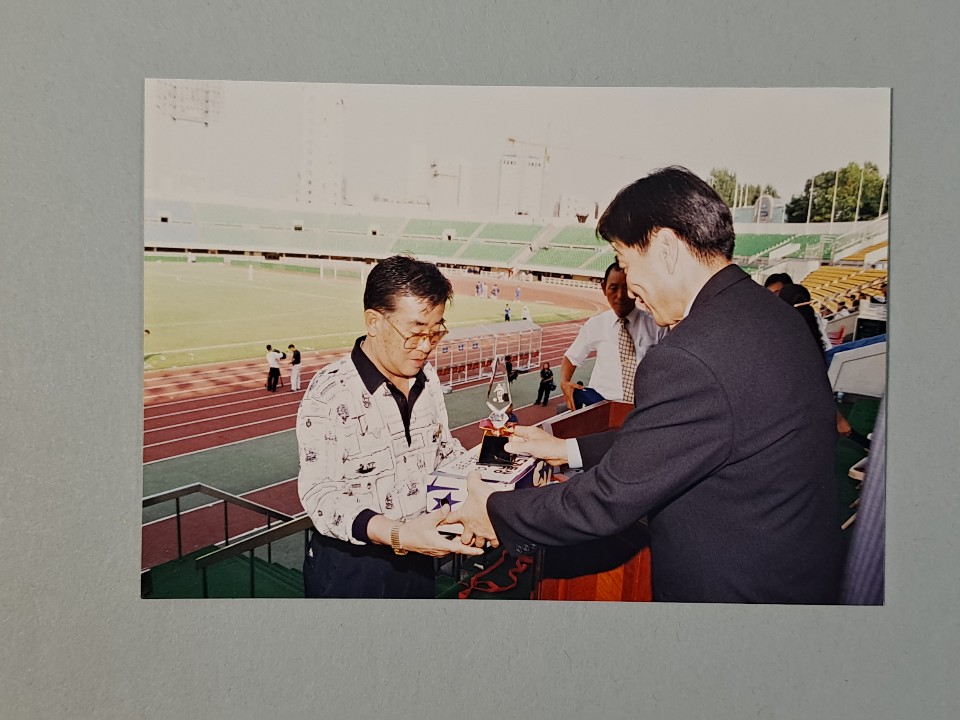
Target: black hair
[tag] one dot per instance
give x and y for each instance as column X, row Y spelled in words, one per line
column 402, row 275
column 778, row 278
column 269, row 347
column 613, row 266
column 797, row 294
column 676, row 199
column 289, row 346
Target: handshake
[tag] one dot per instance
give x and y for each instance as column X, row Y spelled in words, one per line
column 459, row 521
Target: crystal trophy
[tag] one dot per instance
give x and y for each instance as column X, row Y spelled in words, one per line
column 496, row 427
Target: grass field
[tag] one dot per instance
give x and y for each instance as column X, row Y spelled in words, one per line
column 210, row 311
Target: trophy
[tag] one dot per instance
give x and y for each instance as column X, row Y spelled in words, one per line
column 496, row 427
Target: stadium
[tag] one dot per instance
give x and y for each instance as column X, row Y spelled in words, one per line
column 222, row 517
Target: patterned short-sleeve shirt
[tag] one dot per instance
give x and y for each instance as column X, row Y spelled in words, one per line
column 354, row 452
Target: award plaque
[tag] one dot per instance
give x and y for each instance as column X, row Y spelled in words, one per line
column 496, row 427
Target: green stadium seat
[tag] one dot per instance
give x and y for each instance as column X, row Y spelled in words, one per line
column 509, row 231
column 435, row 228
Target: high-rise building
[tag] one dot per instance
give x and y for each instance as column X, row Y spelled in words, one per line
column 320, row 180
column 508, row 195
column 446, row 185
column 521, row 186
column 531, row 187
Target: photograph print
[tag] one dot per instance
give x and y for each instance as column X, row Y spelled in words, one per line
column 514, row 343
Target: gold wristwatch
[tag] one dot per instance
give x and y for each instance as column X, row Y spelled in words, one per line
column 395, row 541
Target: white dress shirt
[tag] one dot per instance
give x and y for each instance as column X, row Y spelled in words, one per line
column 601, row 333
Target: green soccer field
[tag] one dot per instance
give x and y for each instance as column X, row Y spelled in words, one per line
column 210, row 311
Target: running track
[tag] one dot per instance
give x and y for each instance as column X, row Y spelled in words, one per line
column 191, row 409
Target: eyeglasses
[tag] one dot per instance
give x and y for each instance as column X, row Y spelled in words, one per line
column 412, row 342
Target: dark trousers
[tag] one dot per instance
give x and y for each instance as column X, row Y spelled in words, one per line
column 273, row 376
column 543, row 394
column 338, row 569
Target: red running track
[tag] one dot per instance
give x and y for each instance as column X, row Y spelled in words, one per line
column 191, row 409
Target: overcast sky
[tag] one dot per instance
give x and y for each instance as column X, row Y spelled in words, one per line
column 597, row 139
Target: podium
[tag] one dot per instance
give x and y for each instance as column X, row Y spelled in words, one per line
column 614, row 569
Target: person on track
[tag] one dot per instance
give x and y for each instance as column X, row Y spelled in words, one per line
column 273, row 367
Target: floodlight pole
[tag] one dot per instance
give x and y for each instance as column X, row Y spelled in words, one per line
column 863, row 169
column 883, row 192
column 836, row 178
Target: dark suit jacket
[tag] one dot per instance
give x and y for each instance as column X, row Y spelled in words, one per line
column 729, row 452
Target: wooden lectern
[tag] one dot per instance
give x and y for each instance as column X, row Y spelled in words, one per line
column 610, row 569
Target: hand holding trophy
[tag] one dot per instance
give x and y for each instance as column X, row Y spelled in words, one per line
column 496, row 427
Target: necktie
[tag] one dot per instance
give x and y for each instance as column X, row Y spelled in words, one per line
column 628, row 360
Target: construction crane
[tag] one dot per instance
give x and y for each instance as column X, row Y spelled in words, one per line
column 547, row 148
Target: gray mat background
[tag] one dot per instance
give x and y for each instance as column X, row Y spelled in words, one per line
column 77, row 640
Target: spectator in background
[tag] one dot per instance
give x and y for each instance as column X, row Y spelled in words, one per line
column 294, row 368
column 511, row 373
column 799, row 297
column 546, row 384
column 620, row 336
column 526, row 313
column 506, row 314
column 774, row 283
column 273, row 367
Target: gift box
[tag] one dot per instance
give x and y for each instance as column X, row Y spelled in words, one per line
column 448, row 483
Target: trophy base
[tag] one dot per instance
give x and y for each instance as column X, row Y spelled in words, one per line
column 492, row 452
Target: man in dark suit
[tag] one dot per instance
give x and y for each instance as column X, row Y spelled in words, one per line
column 729, row 448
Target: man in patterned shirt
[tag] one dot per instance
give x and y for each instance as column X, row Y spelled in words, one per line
column 371, row 428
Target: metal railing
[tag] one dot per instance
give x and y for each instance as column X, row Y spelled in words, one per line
column 228, row 499
column 249, row 545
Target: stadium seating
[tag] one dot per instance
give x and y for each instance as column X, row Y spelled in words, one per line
column 578, row 236
column 176, row 211
column 216, row 214
column 858, row 258
column 491, row 252
column 363, row 223
column 261, row 217
column 600, row 262
column 170, row 235
column 803, row 241
column 829, row 284
column 312, row 220
column 560, row 257
column 427, row 247
column 352, row 244
column 573, row 249
column 750, row 244
column 509, row 231
column 420, row 227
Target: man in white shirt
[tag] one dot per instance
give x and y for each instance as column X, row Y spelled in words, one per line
column 273, row 367
column 602, row 333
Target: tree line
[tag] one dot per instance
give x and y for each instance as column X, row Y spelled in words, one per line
column 851, row 192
